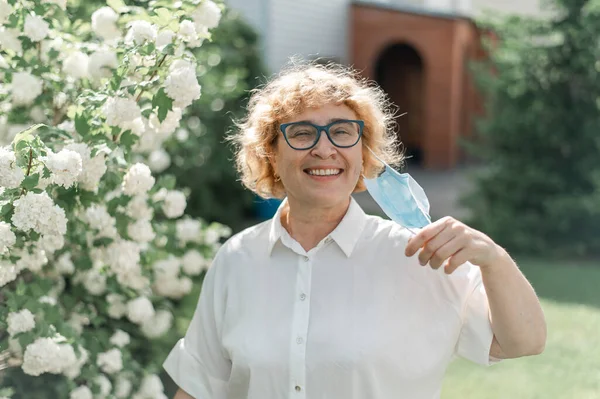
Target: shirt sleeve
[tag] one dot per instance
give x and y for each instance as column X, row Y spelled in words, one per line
column 198, row 363
column 476, row 335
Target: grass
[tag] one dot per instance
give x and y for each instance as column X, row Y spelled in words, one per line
column 569, row 368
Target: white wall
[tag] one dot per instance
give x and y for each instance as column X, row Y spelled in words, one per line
column 308, row 28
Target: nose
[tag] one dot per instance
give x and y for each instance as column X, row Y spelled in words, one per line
column 324, row 147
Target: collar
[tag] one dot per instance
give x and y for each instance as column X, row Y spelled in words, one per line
column 346, row 234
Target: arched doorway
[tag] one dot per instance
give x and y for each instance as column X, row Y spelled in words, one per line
column 400, row 72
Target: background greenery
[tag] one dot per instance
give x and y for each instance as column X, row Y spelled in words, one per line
column 539, row 191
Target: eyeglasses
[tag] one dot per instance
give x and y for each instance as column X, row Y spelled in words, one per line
column 343, row 133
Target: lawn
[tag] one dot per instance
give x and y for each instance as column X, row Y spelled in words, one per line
column 569, row 368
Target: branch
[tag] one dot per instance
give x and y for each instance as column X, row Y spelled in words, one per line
column 28, row 166
column 152, row 76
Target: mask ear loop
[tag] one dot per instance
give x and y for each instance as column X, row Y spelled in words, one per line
column 380, row 160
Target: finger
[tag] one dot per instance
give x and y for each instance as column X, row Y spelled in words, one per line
column 445, row 252
column 433, row 245
column 456, row 260
column 427, row 233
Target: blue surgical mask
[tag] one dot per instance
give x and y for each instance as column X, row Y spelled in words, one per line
column 400, row 197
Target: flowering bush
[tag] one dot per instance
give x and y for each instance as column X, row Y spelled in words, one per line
column 94, row 250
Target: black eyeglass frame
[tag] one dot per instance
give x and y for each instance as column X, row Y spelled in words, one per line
column 325, row 128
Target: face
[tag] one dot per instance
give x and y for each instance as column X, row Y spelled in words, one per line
column 302, row 172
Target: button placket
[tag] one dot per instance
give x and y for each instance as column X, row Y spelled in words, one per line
column 300, row 329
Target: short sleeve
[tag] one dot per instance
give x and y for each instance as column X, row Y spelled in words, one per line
column 198, row 363
column 476, row 335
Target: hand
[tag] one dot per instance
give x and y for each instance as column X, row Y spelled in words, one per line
column 451, row 243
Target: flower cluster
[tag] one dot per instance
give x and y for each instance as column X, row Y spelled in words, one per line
column 95, row 246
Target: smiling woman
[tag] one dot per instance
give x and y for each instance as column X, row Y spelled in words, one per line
column 324, row 301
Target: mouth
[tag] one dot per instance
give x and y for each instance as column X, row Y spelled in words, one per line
column 323, row 174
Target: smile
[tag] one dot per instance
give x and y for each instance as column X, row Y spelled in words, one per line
column 323, row 172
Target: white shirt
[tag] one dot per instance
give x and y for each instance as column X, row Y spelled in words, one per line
column 353, row 318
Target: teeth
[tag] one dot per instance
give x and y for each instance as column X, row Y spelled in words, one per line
column 324, row 172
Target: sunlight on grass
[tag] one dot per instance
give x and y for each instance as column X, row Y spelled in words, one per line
column 569, row 368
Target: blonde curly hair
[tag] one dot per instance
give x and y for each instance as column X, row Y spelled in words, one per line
column 304, row 85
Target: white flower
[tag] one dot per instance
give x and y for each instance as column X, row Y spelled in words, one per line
column 76, row 65
column 187, row 31
column 141, row 32
column 138, row 180
column 46, row 355
column 159, row 160
column 51, row 243
column 164, row 38
column 38, row 212
column 141, row 231
column 66, row 166
column 119, row 111
column 165, row 128
column 123, row 387
column 140, row 310
column 81, row 392
column 64, row 264
column 93, row 168
column 110, row 361
column 104, row 23
column 35, row 27
column 9, row 40
column 138, row 208
column 151, row 387
column 60, row 100
column 7, row 237
column 5, row 11
column 207, row 15
column 19, row 322
column 101, row 62
column 37, row 114
column 94, row 282
column 120, row 338
column 167, row 268
column 48, row 300
column 193, row 263
column 172, row 287
column 78, row 321
column 123, row 258
column 174, row 204
column 61, row 3
column 188, row 230
column 32, row 261
column 104, row 384
column 182, row 86
column 67, row 126
column 25, row 88
column 117, row 307
column 11, row 175
column 158, row 325
column 99, row 219
column 74, row 370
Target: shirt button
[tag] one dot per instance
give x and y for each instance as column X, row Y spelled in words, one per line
column 306, row 258
column 298, row 388
column 299, row 340
column 302, row 297
column 328, row 240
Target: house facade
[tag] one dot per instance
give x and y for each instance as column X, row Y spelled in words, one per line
column 416, row 50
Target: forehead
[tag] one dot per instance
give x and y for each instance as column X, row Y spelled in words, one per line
column 323, row 114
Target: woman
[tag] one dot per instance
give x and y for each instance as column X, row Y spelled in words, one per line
column 324, row 301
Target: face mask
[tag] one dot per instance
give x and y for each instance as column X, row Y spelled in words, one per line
column 400, row 197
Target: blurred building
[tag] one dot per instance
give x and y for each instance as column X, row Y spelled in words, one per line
column 416, row 50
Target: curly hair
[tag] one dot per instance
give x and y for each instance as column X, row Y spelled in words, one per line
column 304, row 85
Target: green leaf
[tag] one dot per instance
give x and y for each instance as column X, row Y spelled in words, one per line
column 103, row 242
column 6, row 210
column 128, row 139
column 82, row 125
column 117, row 5
column 26, row 135
column 163, row 102
column 30, row 182
column 163, row 16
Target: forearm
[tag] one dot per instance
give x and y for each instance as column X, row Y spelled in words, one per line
column 181, row 394
column 517, row 318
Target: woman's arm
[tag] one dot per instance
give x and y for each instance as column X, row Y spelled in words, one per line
column 517, row 318
column 181, row 394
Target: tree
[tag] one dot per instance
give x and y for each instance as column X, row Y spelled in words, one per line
column 540, row 188
column 95, row 251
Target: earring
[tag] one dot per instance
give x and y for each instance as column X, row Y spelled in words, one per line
column 277, row 178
